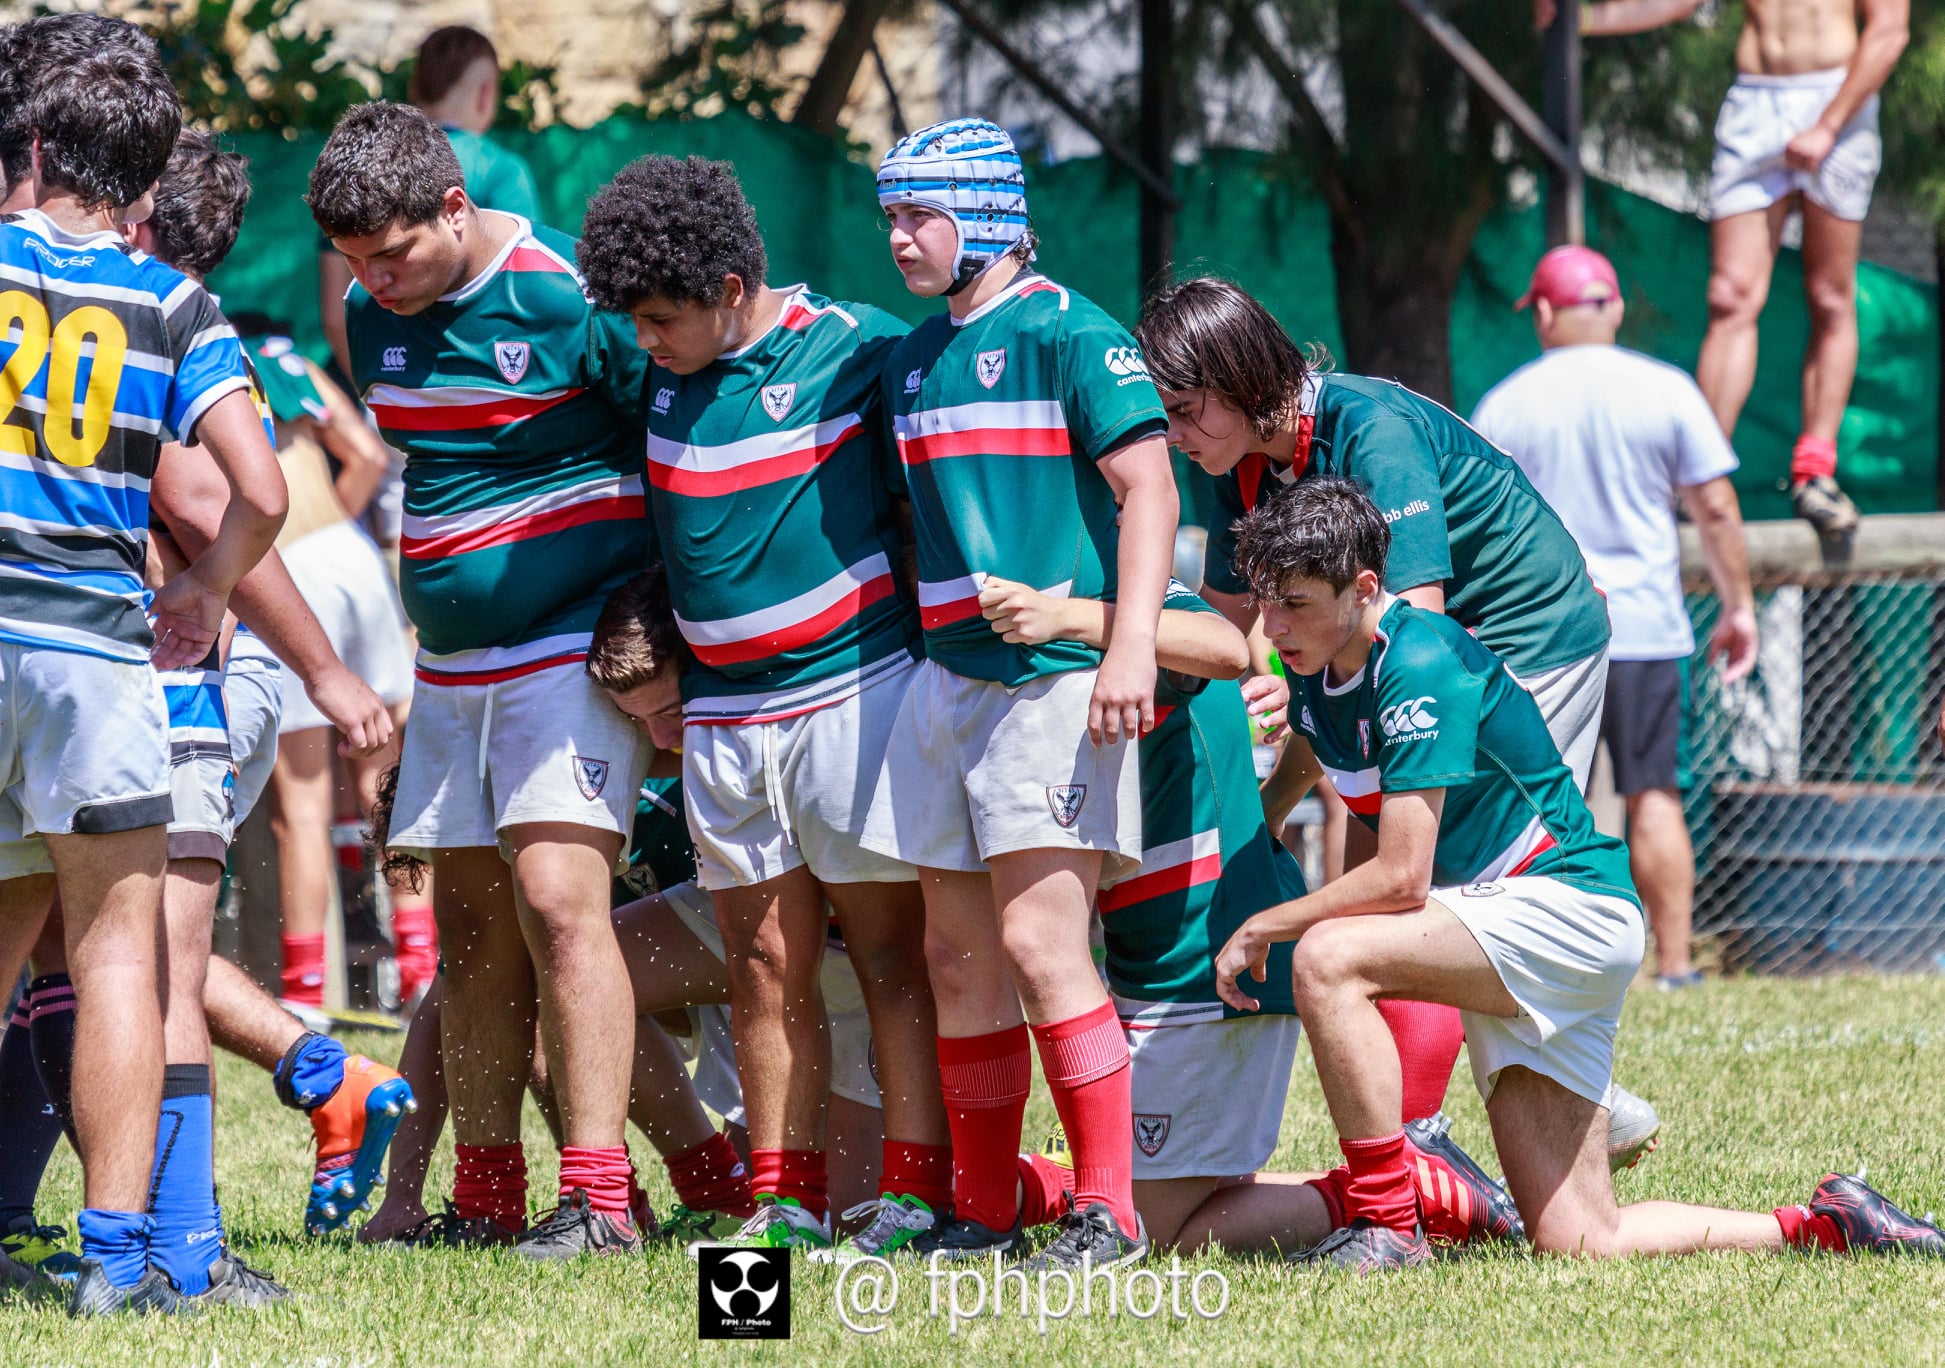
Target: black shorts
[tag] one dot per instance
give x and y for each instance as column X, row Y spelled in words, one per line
column 1642, row 723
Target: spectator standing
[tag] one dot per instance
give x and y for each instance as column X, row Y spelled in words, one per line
column 1609, row 437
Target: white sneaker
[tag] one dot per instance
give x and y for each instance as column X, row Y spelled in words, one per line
column 1633, row 1129
column 895, row 1223
column 776, row 1225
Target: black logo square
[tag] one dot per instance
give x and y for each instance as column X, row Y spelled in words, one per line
column 743, row 1294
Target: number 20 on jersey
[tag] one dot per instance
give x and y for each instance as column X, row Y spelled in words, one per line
column 88, row 332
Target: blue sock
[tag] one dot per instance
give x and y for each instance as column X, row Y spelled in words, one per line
column 310, row 1071
column 120, row 1240
column 29, row 1129
column 182, row 1196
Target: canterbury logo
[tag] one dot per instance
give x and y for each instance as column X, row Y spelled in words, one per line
column 1126, row 361
column 393, row 359
column 912, row 381
column 1411, row 716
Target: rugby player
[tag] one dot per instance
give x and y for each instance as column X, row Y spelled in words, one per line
column 520, row 412
column 1491, row 892
column 767, row 471
column 1024, row 417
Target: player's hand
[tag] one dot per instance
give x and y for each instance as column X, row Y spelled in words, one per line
column 1123, row 706
column 187, row 616
column 1732, row 646
column 1267, row 696
column 352, row 707
column 1807, row 149
column 1243, row 951
column 1021, row 614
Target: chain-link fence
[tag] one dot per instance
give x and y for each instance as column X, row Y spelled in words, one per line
column 1818, row 794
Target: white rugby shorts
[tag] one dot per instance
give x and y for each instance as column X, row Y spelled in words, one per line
column 1567, row 957
column 344, row 580
column 974, row 770
column 854, row 1061
column 1207, row 1096
column 1571, row 699
column 1759, row 116
column 765, row 797
column 253, row 695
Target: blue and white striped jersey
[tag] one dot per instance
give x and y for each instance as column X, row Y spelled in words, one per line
column 105, row 354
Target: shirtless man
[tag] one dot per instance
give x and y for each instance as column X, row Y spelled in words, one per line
column 1800, row 124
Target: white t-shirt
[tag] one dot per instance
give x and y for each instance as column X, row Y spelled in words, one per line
column 1608, row 436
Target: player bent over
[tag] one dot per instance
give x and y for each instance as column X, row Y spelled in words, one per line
column 1023, row 416
column 767, row 461
column 519, row 411
column 1491, row 891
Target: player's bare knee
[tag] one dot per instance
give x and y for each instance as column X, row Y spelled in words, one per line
column 1326, row 963
column 1736, row 298
column 1832, row 305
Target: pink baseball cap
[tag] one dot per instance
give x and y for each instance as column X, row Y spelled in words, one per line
column 1567, row 276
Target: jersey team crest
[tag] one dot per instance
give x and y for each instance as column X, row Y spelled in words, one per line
column 1151, row 1132
column 511, row 358
column 1065, row 800
column 777, row 400
column 990, row 366
column 591, row 776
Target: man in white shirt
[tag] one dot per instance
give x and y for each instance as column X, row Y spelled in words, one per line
column 1609, row 437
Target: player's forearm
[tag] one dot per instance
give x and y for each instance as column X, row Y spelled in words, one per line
column 1887, row 30
column 258, row 501
column 1718, row 523
column 1615, row 18
column 1290, row 781
column 1144, row 561
column 333, row 279
column 1372, row 889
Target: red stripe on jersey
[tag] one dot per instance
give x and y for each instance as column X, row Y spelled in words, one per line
column 497, row 412
column 1249, row 474
column 1364, row 804
column 429, row 676
column 801, row 633
column 1039, row 287
column 945, row 614
column 751, row 474
column 533, row 259
column 1546, row 843
column 523, row 529
column 985, row 442
column 1161, row 714
column 1162, row 882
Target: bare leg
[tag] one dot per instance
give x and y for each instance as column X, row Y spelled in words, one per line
column 189, row 891
column 1265, row 1213
column 972, row 986
column 244, row 1019
column 412, row 1145
column 487, row 1022
column 112, row 900
column 1830, row 251
column 879, row 922
column 773, row 936
column 857, row 1141
column 1167, row 1204
column 1044, row 897
column 1742, row 255
column 301, row 820
column 1662, row 860
column 24, row 926
column 560, row 879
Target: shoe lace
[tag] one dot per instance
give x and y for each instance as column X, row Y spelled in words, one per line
column 767, row 1213
column 888, row 1217
column 1081, row 1235
column 26, row 1236
column 574, row 1212
column 255, row 1279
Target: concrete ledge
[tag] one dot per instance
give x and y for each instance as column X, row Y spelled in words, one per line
column 1788, row 551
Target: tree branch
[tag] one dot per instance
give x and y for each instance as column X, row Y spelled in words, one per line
column 1303, row 110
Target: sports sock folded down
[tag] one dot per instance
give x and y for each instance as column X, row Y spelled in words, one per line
column 799, row 1176
column 491, row 1181
column 603, row 1172
column 1378, row 1186
column 710, row 1177
column 910, row 1169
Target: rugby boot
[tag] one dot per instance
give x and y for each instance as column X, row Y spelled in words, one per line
column 40, row 1247
column 1633, row 1129
column 779, row 1223
column 957, row 1240
column 354, row 1127
column 234, row 1283
column 1824, row 505
column 155, row 1294
column 1457, row 1202
column 685, row 1227
column 1869, row 1223
column 449, row 1230
column 895, row 1223
column 1091, row 1239
column 1366, row 1247
column 575, row 1228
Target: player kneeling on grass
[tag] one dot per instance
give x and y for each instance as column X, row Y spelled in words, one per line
column 1491, row 892
column 1209, row 1079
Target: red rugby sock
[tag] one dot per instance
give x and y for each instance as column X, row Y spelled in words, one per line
column 710, row 1177
column 603, row 1172
column 1428, row 1035
column 985, row 1079
column 1044, row 1186
column 1813, row 456
column 799, row 1175
column 921, row 1171
column 302, row 979
column 1380, row 1187
column 1806, row 1229
column 1085, row 1059
column 491, row 1180
column 1331, row 1187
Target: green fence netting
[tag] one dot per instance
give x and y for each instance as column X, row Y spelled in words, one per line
column 1239, row 218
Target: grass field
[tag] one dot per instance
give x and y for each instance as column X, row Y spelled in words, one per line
column 1762, row 1086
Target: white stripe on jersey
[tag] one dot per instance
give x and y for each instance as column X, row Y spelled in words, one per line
column 487, row 659
column 127, row 421
column 745, row 626
column 1172, row 854
column 425, row 528
column 764, row 446
column 452, row 396
column 94, row 475
column 1008, row 415
column 776, row 704
column 1527, row 845
column 1353, row 783
column 1139, row 1015
column 936, row 593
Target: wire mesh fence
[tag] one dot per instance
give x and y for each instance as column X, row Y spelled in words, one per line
column 1817, row 794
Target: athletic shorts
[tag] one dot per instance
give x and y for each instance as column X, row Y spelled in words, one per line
column 1570, row 699
column 542, row 747
column 854, row 1061
column 345, row 582
column 766, row 797
column 253, row 696
column 975, row 770
column 1567, row 957
column 1208, row 1097
column 1760, row 115
column 1642, row 723
column 84, row 749
column 202, row 774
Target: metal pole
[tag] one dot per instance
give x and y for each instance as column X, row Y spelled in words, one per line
column 1155, row 143
column 1560, row 90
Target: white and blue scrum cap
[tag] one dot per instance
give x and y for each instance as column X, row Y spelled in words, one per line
column 969, row 170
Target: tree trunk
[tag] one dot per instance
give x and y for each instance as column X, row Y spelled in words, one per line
column 1395, row 310
column 830, row 85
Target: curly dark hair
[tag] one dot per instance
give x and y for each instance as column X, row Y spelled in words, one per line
column 384, row 163
column 669, row 228
column 106, row 126
column 400, row 870
column 51, row 42
column 1321, row 528
column 199, row 204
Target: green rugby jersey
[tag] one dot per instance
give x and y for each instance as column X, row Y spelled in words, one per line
column 1208, row 860
column 520, row 411
column 660, row 851
column 1000, row 418
column 767, row 474
column 1461, row 512
column 495, row 178
column 1434, row 709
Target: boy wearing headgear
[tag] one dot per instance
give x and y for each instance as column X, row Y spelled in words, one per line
column 1031, row 445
